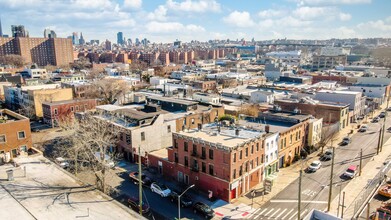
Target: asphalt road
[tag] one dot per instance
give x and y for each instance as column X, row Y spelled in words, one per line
column 315, row 186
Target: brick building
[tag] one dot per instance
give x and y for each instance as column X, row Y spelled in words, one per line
column 225, row 161
column 205, row 85
column 15, row 134
column 62, row 111
column 42, row 51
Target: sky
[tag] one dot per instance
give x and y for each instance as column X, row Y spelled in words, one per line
column 186, row 20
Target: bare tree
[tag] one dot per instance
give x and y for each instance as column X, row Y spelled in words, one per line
column 108, row 90
column 329, row 135
column 81, row 63
column 13, row 60
column 89, row 145
column 250, row 110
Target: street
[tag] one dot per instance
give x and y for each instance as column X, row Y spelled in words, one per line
column 315, row 186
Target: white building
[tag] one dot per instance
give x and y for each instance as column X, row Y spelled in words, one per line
column 207, row 98
column 262, row 96
column 273, row 71
column 314, row 131
column 155, row 81
column 36, row 73
column 271, row 153
column 334, row 51
column 354, row 98
column 286, row 57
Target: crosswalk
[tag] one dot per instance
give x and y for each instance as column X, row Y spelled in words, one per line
column 276, row 213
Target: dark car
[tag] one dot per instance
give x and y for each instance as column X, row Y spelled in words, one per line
column 185, row 199
column 144, row 179
column 203, row 209
column 134, row 204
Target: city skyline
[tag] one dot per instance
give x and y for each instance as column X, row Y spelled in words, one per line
column 167, row 20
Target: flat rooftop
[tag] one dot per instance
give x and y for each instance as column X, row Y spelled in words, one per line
column 339, row 92
column 226, row 137
column 48, row 192
column 8, row 116
column 66, row 102
column 173, row 100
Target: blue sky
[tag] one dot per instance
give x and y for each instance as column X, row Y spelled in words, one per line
column 167, row 20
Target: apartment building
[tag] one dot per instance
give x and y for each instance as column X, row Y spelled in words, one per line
column 42, row 51
column 55, row 113
column 222, row 161
column 15, row 134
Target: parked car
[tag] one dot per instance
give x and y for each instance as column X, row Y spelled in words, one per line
column 134, row 203
column 203, row 209
column 160, row 189
column 351, row 172
column 314, row 166
column 382, row 114
column 389, row 109
column 363, row 128
column 389, row 129
column 361, row 117
column 375, row 119
column 328, row 155
column 346, row 141
column 146, row 181
column 186, row 200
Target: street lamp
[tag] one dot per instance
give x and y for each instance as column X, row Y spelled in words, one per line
column 179, row 201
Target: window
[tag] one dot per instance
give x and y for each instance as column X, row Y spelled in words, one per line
column 252, row 149
column 291, row 138
column 176, row 157
column 267, row 159
column 185, row 147
column 2, row 138
column 246, row 167
column 128, row 139
column 203, row 153
column 175, row 144
column 240, row 155
column 23, row 148
column 203, row 167
column 240, row 170
column 186, row 161
column 299, row 134
column 21, row 135
column 55, row 111
column 77, row 108
column 194, row 149
column 234, row 157
column 257, row 146
column 257, row 161
column 72, row 109
column 247, row 152
column 169, row 128
column 211, row 154
column 234, row 174
column 211, row 171
column 143, row 136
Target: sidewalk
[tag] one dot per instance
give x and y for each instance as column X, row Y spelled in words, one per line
column 355, row 186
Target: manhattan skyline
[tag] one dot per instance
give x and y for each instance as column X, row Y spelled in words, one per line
column 167, row 20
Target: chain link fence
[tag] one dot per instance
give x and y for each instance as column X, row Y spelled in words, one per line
column 369, row 189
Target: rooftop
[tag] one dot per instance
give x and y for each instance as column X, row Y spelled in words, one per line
column 48, row 191
column 7, row 116
column 226, row 137
column 66, row 102
column 339, row 92
column 173, row 100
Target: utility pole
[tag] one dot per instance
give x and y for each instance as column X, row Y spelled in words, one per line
column 379, row 142
column 384, row 126
column 299, row 202
column 140, row 184
column 343, row 203
column 331, row 181
column 368, row 210
column 360, row 163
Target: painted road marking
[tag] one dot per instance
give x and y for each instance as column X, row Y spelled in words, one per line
column 309, row 192
column 267, row 213
column 303, row 201
column 276, row 212
column 287, row 214
column 253, row 213
column 293, row 216
column 302, row 214
column 277, row 217
column 260, row 213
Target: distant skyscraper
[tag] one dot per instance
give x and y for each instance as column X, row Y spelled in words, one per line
column 120, row 38
column 81, row 40
column 130, row 42
column 19, row 31
column 1, row 29
column 108, row 45
column 47, row 33
column 75, row 38
column 137, row 41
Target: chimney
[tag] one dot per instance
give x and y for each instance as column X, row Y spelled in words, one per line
column 267, row 128
column 199, row 125
column 237, row 131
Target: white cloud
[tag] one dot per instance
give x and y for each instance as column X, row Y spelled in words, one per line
column 377, row 27
column 159, row 14
column 133, row 4
column 344, row 16
column 310, row 13
column 332, row 2
column 270, row 13
column 92, row 3
column 198, row 6
column 172, row 27
column 239, row 19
